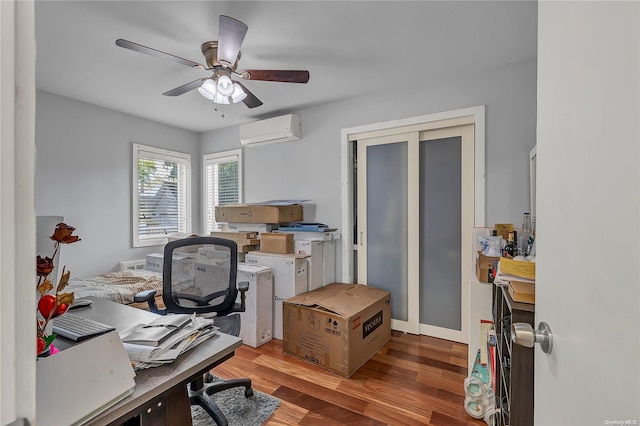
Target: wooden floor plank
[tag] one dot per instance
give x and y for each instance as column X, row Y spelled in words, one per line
column 422, row 360
column 287, row 414
column 412, row 380
column 321, row 409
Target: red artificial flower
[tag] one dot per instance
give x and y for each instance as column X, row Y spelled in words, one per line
column 62, row 234
column 44, row 266
column 52, row 305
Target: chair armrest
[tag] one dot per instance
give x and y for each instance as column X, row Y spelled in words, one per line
column 243, row 287
column 148, row 296
column 144, row 296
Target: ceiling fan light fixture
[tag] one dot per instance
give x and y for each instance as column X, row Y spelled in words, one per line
column 238, row 94
column 225, row 86
column 208, row 89
column 223, row 100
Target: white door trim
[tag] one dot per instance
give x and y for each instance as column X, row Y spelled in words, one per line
column 17, row 213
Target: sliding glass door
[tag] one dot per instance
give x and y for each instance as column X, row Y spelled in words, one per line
column 415, row 215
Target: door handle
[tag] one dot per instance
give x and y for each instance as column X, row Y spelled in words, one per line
column 524, row 335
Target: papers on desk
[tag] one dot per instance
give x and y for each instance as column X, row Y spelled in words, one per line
column 158, row 330
column 191, row 334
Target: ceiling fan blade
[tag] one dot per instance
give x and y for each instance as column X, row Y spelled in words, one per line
column 185, row 88
column 231, row 34
column 286, row 76
column 157, row 53
column 251, row 100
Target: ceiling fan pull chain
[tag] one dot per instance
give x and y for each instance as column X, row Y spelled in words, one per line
column 221, row 110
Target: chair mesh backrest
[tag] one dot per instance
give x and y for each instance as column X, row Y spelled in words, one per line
column 199, row 275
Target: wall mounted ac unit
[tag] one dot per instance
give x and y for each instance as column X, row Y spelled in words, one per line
column 273, row 130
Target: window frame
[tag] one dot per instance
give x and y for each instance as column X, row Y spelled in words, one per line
column 217, row 158
column 166, row 155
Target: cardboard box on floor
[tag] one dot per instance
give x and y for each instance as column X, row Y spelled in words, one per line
column 337, row 327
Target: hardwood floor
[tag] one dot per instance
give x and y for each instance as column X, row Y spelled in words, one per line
column 412, row 380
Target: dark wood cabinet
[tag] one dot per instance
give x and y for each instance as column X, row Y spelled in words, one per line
column 514, row 363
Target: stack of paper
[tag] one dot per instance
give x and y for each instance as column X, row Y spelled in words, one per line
column 154, row 352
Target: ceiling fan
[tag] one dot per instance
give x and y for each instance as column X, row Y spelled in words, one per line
column 222, row 58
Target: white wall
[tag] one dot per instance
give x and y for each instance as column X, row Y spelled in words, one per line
column 310, row 168
column 83, row 173
column 84, row 158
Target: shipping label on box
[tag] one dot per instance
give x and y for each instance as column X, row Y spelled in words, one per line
column 249, row 213
column 337, row 327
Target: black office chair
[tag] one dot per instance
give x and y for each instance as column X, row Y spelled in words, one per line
column 199, row 275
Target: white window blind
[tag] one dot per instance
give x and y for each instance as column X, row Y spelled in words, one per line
column 223, row 184
column 161, row 194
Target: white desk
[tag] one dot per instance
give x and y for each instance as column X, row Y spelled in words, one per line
column 160, row 396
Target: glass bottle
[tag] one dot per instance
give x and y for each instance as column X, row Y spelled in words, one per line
column 511, row 249
column 525, row 234
column 531, row 242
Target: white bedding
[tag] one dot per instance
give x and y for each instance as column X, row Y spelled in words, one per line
column 116, row 286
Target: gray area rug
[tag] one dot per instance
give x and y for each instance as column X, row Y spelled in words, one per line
column 240, row 411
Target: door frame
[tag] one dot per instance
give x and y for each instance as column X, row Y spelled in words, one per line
column 475, row 115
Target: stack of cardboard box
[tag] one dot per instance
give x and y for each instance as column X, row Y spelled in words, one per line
column 246, row 241
column 261, row 219
column 276, row 249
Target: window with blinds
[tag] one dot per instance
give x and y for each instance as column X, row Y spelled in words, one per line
column 223, row 184
column 161, row 194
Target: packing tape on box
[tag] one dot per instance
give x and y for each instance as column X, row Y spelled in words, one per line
column 474, row 407
column 474, row 387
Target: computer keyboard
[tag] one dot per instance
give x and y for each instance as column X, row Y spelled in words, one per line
column 77, row 328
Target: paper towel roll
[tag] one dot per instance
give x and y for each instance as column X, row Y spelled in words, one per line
column 473, row 387
column 474, row 407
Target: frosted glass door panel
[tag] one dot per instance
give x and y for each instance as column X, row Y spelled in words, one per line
column 387, row 227
column 440, row 234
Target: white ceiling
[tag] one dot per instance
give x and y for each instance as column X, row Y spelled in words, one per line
column 350, row 49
